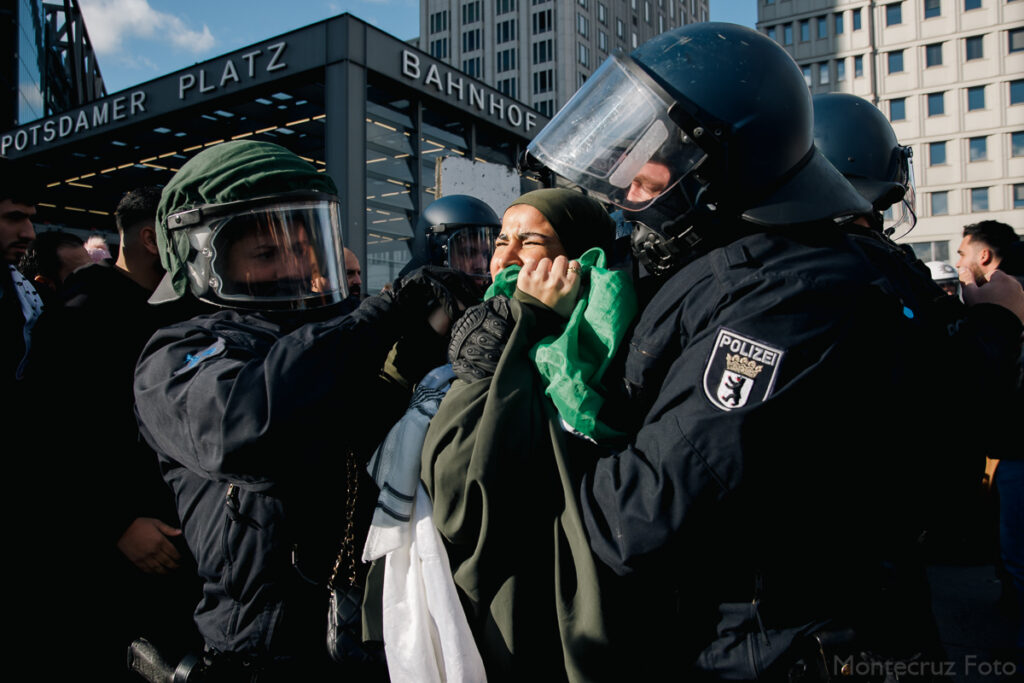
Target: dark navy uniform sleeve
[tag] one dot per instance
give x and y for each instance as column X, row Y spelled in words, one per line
column 741, row 373
column 230, row 397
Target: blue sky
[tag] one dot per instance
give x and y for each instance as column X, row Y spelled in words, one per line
column 138, row 40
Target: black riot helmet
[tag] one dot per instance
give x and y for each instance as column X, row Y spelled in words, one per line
column 698, row 127
column 457, row 231
column 859, row 141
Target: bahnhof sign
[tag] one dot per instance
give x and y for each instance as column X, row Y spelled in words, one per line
column 352, row 100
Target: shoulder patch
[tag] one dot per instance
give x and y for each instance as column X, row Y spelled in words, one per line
column 740, row 370
column 194, row 359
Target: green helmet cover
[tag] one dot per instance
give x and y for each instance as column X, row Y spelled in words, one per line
column 228, row 172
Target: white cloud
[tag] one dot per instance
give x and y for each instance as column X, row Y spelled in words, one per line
column 110, row 22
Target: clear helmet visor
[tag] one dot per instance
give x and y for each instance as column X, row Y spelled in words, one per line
column 615, row 139
column 900, row 218
column 470, row 249
column 279, row 256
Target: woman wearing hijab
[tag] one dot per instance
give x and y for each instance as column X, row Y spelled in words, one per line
column 498, row 456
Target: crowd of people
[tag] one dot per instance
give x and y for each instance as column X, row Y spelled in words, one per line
column 551, row 447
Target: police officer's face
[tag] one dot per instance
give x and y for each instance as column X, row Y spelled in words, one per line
column 650, row 182
column 525, row 236
column 267, row 255
column 16, row 230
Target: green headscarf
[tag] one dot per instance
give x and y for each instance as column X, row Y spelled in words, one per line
column 229, row 172
column 580, row 222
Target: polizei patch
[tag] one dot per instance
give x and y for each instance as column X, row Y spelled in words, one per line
column 740, row 370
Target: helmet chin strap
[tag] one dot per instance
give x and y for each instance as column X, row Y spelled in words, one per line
column 676, row 238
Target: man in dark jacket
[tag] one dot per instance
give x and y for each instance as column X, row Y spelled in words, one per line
column 256, row 411
column 754, row 495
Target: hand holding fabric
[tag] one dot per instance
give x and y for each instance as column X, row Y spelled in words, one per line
column 146, row 544
column 555, row 284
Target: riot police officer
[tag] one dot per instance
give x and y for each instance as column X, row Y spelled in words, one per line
column 752, row 493
column 257, row 410
column 456, row 231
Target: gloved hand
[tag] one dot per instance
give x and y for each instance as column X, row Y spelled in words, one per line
column 419, row 293
column 479, row 338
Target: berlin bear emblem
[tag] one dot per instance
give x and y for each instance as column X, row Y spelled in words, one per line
column 740, row 370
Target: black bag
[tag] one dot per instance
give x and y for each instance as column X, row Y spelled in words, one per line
column 344, row 608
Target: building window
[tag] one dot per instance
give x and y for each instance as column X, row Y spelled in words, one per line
column 542, row 22
column 936, row 153
column 1017, row 92
column 543, row 51
column 936, row 104
column 807, row 75
column 858, row 66
column 823, row 73
column 975, row 47
column 932, row 8
column 895, row 61
column 787, row 35
column 1016, row 39
column 602, row 41
column 582, row 25
column 933, row 54
column 940, row 203
column 856, row 19
column 505, row 6
column 547, row 107
column 840, row 70
column 838, row 22
column 822, row 27
column 805, row 30
column 1017, row 144
column 976, row 98
column 471, row 12
column 931, row 251
column 619, row 29
column 971, row 4
column 439, row 48
column 894, row 14
column 506, row 60
column 979, row 199
column 898, row 109
column 543, row 81
column 508, row 87
column 583, row 54
column 602, row 14
column 634, row 40
column 1018, row 196
column 472, row 67
column 439, row 22
column 647, row 12
column 977, row 148
column 506, row 31
column 471, row 40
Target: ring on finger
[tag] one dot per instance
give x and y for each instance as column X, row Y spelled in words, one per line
column 574, row 269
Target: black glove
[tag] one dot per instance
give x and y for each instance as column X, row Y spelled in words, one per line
column 423, row 290
column 479, row 338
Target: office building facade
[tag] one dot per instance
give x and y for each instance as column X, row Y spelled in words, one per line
column 949, row 75
column 542, row 51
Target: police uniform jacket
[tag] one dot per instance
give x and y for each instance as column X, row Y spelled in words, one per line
column 778, row 383
column 252, row 417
